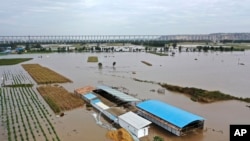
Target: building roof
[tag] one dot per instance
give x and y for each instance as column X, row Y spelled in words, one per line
column 134, row 120
column 102, row 105
column 90, row 96
column 84, row 90
column 95, row 101
column 169, row 113
column 118, row 94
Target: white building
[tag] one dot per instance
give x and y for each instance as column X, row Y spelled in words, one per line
column 134, row 123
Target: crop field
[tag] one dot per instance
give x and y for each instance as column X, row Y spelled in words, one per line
column 59, row 99
column 23, row 114
column 13, row 61
column 43, row 75
column 15, row 78
column 92, row 59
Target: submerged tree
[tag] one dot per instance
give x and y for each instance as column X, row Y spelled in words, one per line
column 99, row 65
column 157, row 138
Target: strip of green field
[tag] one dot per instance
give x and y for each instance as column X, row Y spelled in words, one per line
column 13, row 61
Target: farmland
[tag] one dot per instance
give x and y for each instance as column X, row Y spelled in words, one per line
column 23, row 115
column 13, row 61
column 59, row 99
column 43, row 75
column 15, row 78
column 92, row 59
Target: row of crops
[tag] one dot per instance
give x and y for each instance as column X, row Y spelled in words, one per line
column 15, row 78
column 23, row 115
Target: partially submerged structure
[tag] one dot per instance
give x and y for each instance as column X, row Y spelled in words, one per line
column 173, row 119
column 134, row 123
column 100, row 106
column 116, row 96
column 89, row 97
column 83, row 90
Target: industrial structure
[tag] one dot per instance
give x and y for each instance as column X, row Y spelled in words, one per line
column 121, row 38
column 100, row 106
column 116, row 96
column 133, row 123
column 173, row 119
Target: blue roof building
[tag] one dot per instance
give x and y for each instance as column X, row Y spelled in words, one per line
column 89, row 97
column 171, row 118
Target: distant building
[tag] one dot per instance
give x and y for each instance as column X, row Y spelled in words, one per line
column 55, row 47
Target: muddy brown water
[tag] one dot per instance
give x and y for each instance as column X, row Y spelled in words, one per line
column 212, row 71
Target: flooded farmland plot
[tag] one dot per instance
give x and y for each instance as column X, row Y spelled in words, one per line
column 222, row 71
column 23, row 115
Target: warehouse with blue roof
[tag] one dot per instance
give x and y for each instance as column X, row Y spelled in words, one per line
column 173, row 119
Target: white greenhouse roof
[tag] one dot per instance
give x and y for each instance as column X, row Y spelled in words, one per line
column 118, row 94
column 102, row 105
column 134, row 120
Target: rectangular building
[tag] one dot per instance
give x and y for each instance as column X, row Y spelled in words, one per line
column 134, row 124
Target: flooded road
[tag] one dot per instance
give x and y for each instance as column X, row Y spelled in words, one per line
column 211, row 71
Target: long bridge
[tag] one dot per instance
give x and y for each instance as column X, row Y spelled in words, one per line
column 120, row 38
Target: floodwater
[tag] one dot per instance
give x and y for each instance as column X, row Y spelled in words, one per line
column 212, row 71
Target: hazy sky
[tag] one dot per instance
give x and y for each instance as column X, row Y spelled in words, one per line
column 106, row 17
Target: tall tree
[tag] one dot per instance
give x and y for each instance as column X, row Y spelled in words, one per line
column 174, row 45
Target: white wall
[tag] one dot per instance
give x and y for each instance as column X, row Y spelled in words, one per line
column 143, row 132
column 139, row 133
column 123, row 124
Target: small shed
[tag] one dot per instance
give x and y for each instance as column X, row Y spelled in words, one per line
column 89, row 96
column 134, row 123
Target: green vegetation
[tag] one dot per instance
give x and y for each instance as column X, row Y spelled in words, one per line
column 23, row 112
column 52, row 104
column 13, row 61
column 19, row 85
column 92, row 59
column 147, row 63
column 157, row 138
column 220, row 48
column 198, row 95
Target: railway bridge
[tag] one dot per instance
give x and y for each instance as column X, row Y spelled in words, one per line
column 120, row 38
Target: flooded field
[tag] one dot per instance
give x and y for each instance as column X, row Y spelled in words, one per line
column 212, row 71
